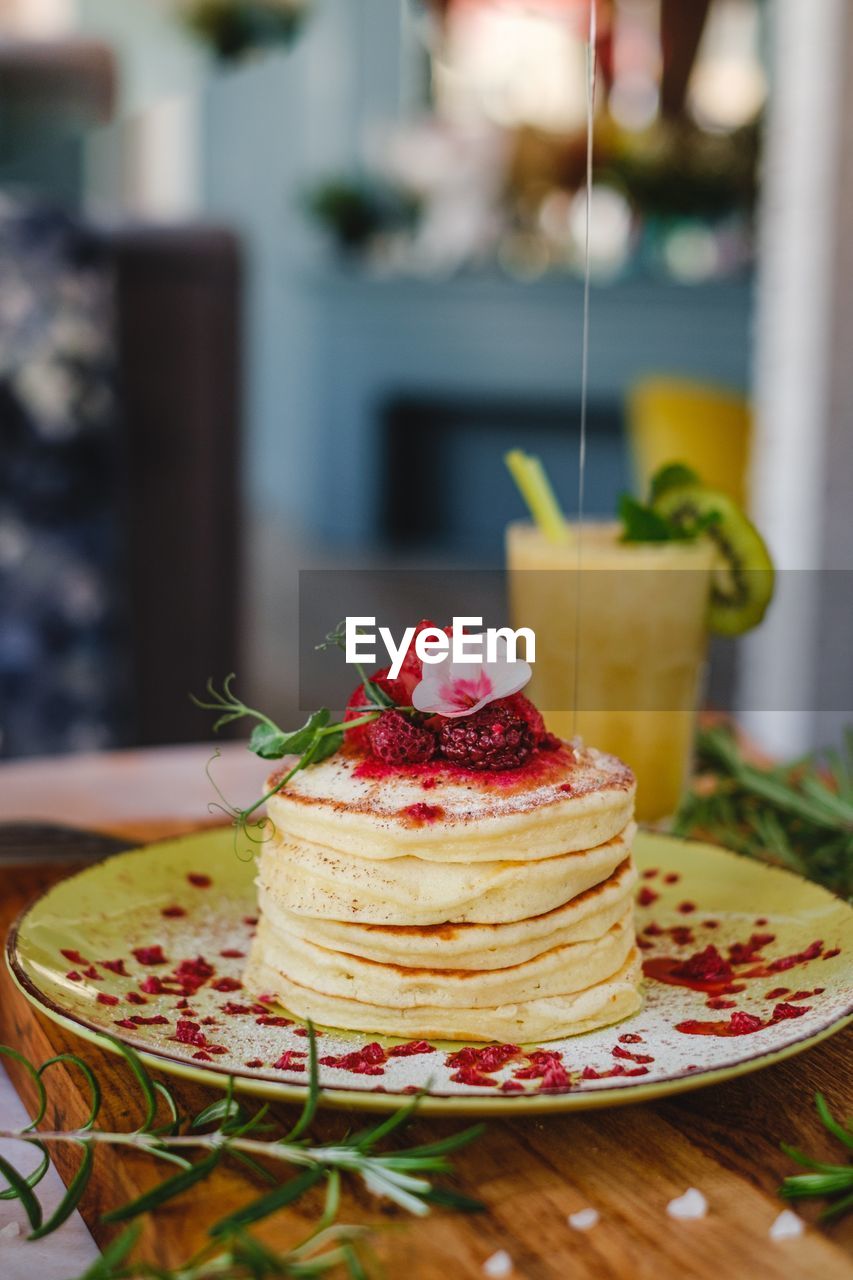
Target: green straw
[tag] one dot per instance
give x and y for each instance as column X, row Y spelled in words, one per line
column 535, row 488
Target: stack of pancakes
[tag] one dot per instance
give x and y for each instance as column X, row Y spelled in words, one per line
column 422, row 902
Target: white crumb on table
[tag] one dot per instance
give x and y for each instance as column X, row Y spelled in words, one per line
column 584, row 1219
column 787, row 1226
column 500, row 1264
column 690, row 1206
column 10, row 1230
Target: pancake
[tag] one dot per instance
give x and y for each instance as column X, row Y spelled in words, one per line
column 565, row 800
column 312, row 880
column 560, row 971
column 536, row 1020
column 465, row 946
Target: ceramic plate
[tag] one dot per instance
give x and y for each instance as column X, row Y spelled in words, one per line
column 148, row 947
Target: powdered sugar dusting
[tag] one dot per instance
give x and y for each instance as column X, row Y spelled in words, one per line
column 362, row 785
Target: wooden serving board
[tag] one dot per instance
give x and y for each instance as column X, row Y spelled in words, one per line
column 531, row 1172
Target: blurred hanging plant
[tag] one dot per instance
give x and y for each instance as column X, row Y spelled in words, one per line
column 235, row 28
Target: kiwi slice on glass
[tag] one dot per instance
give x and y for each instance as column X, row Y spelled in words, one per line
column 742, row 580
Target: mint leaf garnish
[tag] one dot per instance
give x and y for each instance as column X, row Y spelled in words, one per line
column 641, row 524
column 673, row 475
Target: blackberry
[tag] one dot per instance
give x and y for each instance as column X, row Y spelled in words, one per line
column 495, row 737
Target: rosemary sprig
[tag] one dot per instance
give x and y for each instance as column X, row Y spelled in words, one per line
column 799, row 815
column 833, row 1181
column 244, row 1258
column 227, row 1130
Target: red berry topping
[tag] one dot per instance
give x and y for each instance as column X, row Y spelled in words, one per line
column 396, row 740
column 359, row 703
column 412, row 669
column 525, row 709
column 424, row 812
column 495, row 737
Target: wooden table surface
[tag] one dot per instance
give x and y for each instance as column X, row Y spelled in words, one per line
column 531, row 1172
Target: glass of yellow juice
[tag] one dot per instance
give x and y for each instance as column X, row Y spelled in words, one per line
column 621, row 645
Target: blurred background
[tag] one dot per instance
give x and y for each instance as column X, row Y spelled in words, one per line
column 281, row 280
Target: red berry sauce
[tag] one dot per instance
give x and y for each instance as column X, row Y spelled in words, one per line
column 422, row 814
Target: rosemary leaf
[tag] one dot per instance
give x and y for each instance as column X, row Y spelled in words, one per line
column 830, row 1123
column 167, row 1190
column 94, row 1088
column 309, row 1110
column 23, row 1192
column 73, row 1195
column 826, row 1179
column 269, row 1203
column 116, row 1253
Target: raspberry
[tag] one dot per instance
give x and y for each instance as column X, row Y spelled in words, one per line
column 397, row 740
column 399, row 690
column 526, row 711
column 494, row 737
column 412, row 669
column 524, row 708
column 358, row 703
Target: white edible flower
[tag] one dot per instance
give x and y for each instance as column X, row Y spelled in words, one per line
column 584, row 1219
column 689, row 1206
column 500, row 1264
column 787, row 1226
column 454, row 689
